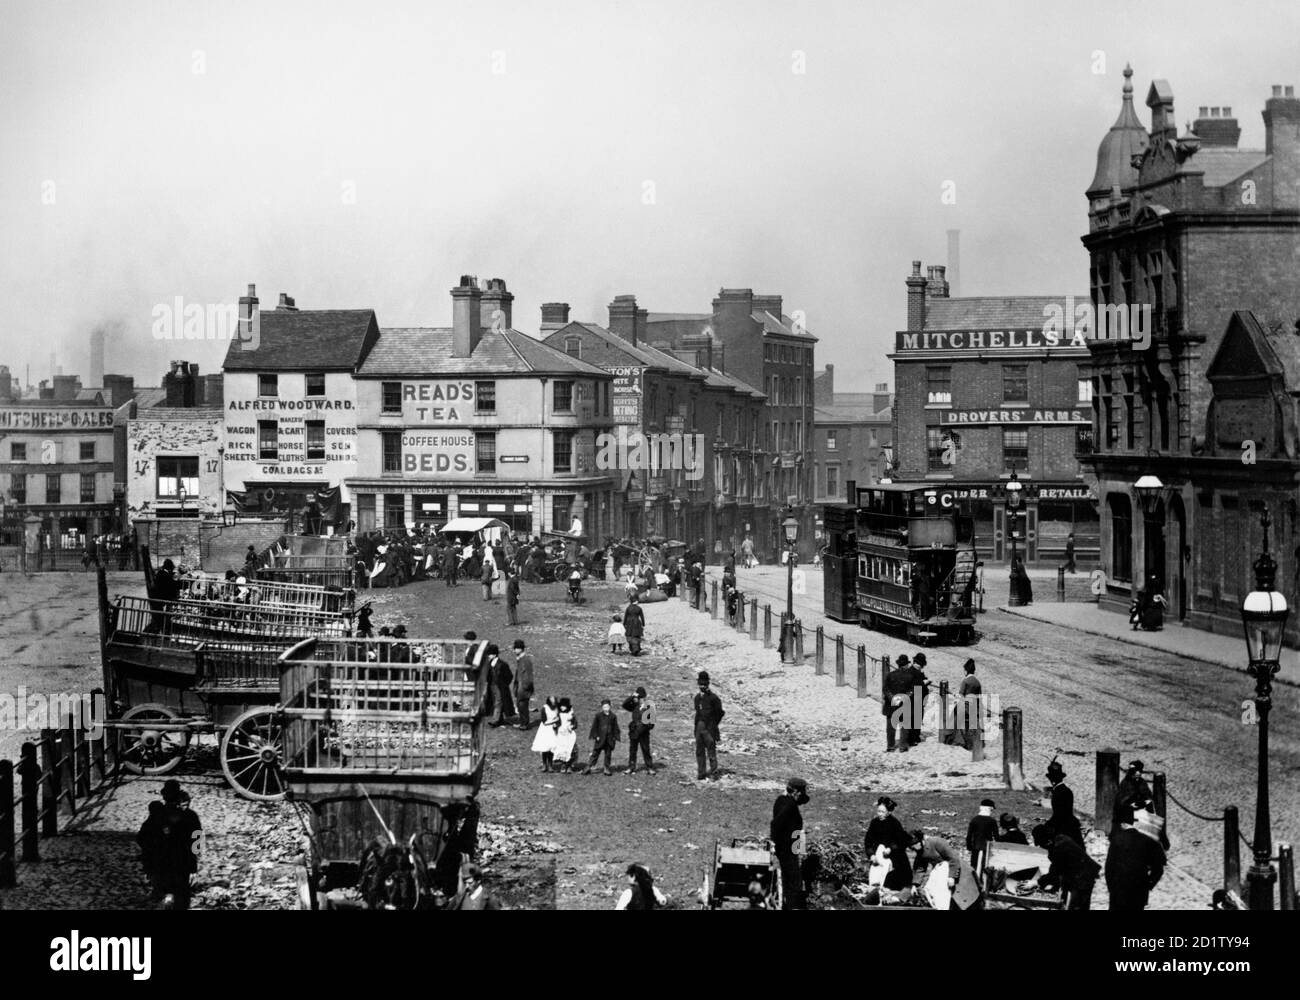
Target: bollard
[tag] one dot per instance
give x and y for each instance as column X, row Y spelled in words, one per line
column 1160, row 796
column 49, row 786
column 1107, row 789
column 1231, row 850
column 839, row 661
column 68, row 777
column 884, row 669
column 767, row 626
column 1286, row 877
column 945, row 731
column 7, row 877
column 753, row 618
column 713, row 593
column 1013, row 749
column 30, row 773
column 83, row 764
column 862, row 671
column 798, row 641
column 819, row 652
column 1060, row 583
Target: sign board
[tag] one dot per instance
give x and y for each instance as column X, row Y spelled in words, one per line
column 627, row 391
column 425, row 452
column 1026, row 416
column 510, row 459
column 437, row 401
column 55, row 418
column 985, row 340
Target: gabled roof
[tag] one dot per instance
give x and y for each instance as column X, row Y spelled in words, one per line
column 296, row 340
column 1249, row 350
column 992, row 312
column 420, row 352
column 613, row 347
column 779, row 324
column 1222, row 164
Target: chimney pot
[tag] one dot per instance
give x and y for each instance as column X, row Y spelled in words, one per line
column 1227, row 112
column 1204, row 111
column 1277, row 90
column 252, row 291
column 1290, row 92
column 916, row 269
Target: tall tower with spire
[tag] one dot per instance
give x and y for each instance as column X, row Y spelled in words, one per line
column 1116, row 169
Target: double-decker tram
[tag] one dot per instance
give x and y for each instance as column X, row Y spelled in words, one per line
column 916, row 562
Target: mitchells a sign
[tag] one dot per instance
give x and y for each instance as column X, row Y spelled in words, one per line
column 990, row 340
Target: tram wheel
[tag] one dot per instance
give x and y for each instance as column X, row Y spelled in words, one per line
column 146, row 750
column 252, row 755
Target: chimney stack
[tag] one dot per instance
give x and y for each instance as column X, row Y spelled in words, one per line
column 496, row 298
column 247, row 306
column 466, row 317
column 623, row 318
column 936, row 285
column 555, row 316
column 768, row 303
column 286, row 303
column 66, row 387
column 880, row 398
column 1282, row 142
column 212, row 394
column 120, row 387
column 97, row 357
column 1160, row 99
column 1217, row 127
column 916, row 298
column 6, row 385
column 954, row 262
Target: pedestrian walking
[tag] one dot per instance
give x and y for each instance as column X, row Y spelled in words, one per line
column 896, row 704
column 566, row 737
column 499, row 679
column 639, row 729
column 747, row 550
column 787, row 841
column 617, row 635
column 1134, row 866
column 708, row 714
column 1061, row 799
column 634, row 626
column 971, row 706
column 522, row 686
column 451, row 565
column 1070, row 869
column 547, row 729
column 920, row 689
column 171, row 838
column 604, row 735
column 512, row 598
column 982, row 831
column 486, row 575
column 1069, row 553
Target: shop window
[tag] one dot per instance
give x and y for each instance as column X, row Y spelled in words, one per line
column 315, row 440
column 562, row 516
column 365, row 512
column 394, row 510
column 1121, row 537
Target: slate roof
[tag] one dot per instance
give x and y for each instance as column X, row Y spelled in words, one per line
column 993, row 312
column 293, row 340
column 840, row 413
column 1223, row 165
column 181, row 413
column 778, row 324
column 420, row 351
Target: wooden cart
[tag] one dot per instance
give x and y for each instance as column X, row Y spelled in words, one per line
column 200, row 586
column 1007, row 866
column 736, row 867
column 383, row 752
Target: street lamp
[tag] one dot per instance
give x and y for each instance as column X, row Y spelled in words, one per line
column 1013, row 488
column 1148, row 489
column 1263, row 614
column 790, row 525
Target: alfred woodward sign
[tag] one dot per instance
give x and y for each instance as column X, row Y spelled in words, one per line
column 1013, row 417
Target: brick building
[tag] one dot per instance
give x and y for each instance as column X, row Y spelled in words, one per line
column 851, row 431
column 987, row 385
column 1200, row 239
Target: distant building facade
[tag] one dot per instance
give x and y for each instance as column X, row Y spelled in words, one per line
column 851, row 432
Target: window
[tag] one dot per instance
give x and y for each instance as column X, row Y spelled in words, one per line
column 1085, row 390
column 394, row 510
column 873, row 442
column 935, row 446
column 830, row 440
column 87, row 451
column 1121, row 537
column 87, row 487
column 1015, row 383
column 53, row 488
column 365, row 512
column 18, row 487
column 315, row 383
column 392, row 444
column 1130, row 416
column 1083, row 440
column 562, row 513
column 268, row 385
column 268, row 445
column 1015, row 449
column 392, row 397
column 18, row 451
column 563, row 398
column 938, row 386
column 315, row 439
column 573, row 347
column 563, row 450
column 176, row 473
column 485, row 448
column 485, row 397
column 832, row 480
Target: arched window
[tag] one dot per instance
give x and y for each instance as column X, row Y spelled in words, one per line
column 1121, row 536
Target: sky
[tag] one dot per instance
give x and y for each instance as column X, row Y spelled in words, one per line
column 367, row 155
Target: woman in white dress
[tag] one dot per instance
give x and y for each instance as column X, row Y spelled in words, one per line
column 566, row 738
column 544, row 741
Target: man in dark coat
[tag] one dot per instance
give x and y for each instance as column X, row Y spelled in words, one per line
column 172, row 840
column 450, row 565
column 970, row 703
column 1070, row 867
column 786, row 832
column 523, row 683
column 982, row 831
column 898, row 685
column 1134, row 866
column 604, row 736
column 512, row 598
column 1062, row 819
column 639, row 729
column 1132, row 794
column 165, row 592
column 708, row 713
column 634, row 626
column 499, row 678
column 920, row 688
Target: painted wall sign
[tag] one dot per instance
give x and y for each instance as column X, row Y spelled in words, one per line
column 986, row 340
column 626, row 393
column 42, row 418
column 437, row 451
column 947, row 417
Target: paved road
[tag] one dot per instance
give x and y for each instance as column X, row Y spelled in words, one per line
column 1082, row 692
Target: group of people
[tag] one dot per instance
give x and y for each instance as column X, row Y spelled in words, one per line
column 906, row 690
column 557, row 735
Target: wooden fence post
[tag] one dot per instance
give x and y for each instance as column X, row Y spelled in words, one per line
column 49, row 786
column 1231, row 850
column 767, row 626
column 67, row 762
column 1286, row 877
column 713, row 594
column 82, row 759
column 944, row 729
column 29, row 771
column 7, row 847
column 1013, row 749
column 862, row 671
column 1107, row 788
column 819, row 652
column 797, row 638
column 753, row 618
column 839, row 661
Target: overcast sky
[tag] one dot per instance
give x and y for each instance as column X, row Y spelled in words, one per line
column 366, row 155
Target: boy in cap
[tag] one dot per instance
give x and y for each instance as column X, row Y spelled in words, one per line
column 787, row 837
column 603, row 736
column 708, row 713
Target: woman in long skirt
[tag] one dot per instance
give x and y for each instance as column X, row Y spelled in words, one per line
column 566, row 738
column 544, row 741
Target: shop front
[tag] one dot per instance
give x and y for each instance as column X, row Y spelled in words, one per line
column 1042, row 522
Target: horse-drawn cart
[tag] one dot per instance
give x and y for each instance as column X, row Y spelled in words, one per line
column 383, row 753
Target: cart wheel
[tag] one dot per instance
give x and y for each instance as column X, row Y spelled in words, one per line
column 152, row 751
column 252, row 755
column 306, row 891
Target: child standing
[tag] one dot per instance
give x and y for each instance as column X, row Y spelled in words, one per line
column 566, row 737
column 604, row 735
column 617, row 634
column 545, row 740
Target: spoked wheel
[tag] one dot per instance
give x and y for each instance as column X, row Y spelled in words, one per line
column 148, row 750
column 252, row 755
